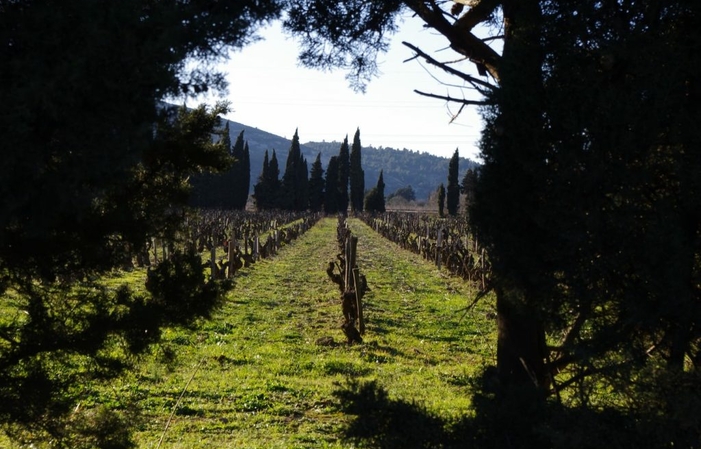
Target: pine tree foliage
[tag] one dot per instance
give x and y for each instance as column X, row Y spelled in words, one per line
column 356, row 175
column 93, row 169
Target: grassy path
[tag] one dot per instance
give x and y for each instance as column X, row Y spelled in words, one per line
column 255, row 377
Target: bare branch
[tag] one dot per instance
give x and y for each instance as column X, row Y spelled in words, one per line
column 453, row 100
column 470, row 79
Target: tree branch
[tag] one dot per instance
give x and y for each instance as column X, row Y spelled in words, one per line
column 461, row 39
column 477, row 14
column 453, row 100
column 470, row 79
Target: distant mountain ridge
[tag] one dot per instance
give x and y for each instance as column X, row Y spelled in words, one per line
column 423, row 171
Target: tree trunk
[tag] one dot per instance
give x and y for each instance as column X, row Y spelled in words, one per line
column 521, row 339
column 520, row 343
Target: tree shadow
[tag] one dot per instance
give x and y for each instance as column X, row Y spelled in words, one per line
column 382, row 422
column 513, row 419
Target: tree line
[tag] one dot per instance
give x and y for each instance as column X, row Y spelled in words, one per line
column 450, row 198
column 300, row 189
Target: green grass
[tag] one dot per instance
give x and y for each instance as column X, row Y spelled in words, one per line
column 255, row 377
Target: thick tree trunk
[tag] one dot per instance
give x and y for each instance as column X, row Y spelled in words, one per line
column 520, row 344
column 521, row 340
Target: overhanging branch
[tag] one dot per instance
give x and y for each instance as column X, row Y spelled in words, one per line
column 475, row 82
column 454, row 100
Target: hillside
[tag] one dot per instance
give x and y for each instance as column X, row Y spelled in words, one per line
column 423, row 171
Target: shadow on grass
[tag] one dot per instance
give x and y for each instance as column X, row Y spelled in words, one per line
column 514, row 420
column 387, row 423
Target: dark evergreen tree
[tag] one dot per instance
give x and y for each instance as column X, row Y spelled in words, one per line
column 273, row 183
column 213, row 189
column 295, row 191
column 441, row 200
column 261, row 196
column 343, row 174
column 94, row 167
column 331, row 195
column 302, row 199
column 316, row 185
column 469, row 183
column 245, row 189
column 266, row 191
column 587, row 203
column 375, row 198
column 239, row 178
column 452, row 196
column 356, row 175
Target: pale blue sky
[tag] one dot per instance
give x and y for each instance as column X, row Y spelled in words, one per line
column 269, row 90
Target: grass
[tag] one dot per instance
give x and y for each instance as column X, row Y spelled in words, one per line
column 255, row 375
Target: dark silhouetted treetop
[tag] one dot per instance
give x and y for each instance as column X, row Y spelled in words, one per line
column 356, row 175
column 316, row 185
column 343, row 175
column 375, row 198
column 453, row 191
column 331, row 190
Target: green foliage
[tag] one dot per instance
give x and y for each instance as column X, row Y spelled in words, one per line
column 94, row 167
column 357, row 30
column 594, row 238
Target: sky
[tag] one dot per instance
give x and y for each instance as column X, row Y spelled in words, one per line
column 269, row 90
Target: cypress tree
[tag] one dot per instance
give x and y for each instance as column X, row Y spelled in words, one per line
column 239, row 191
column 294, row 182
column 375, row 199
column 343, row 172
column 453, row 190
column 331, row 197
column 261, row 189
column 246, row 176
column 302, row 197
column 441, row 200
column 469, row 181
column 357, row 175
column 316, row 185
column 273, row 182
